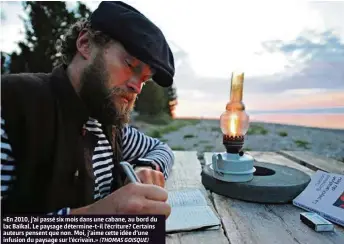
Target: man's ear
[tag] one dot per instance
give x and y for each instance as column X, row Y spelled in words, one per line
column 83, row 44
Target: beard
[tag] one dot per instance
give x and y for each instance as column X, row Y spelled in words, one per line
column 103, row 103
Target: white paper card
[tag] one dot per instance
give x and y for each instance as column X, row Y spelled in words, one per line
column 324, row 195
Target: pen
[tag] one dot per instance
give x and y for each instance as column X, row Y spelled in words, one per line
column 129, row 171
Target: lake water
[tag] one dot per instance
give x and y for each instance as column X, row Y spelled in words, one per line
column 332, row 118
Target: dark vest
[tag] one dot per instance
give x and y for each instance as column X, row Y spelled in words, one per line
column 44, row 120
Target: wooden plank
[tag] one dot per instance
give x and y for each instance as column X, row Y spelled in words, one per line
column 186, row 173
column 198, row 237
column 246, row 222
column 315, row 162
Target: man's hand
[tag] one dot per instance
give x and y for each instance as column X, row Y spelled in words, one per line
column 132, row 198
column 147, row 175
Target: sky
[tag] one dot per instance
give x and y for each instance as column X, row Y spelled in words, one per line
column 292, row 52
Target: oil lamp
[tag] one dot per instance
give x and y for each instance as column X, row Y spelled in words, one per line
column 234, row 165
column 238, row 175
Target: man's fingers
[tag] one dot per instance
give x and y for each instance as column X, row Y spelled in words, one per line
column 152, row 177
column 159, row 179
column 145, row 177
column 158, row 208
column 153, row 192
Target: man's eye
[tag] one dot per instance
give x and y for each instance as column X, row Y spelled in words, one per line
column 128, row 64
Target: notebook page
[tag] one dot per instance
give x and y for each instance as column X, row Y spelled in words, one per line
column 189, row 197
column 189, row 218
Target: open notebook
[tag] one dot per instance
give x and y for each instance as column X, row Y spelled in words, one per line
column 190, row 211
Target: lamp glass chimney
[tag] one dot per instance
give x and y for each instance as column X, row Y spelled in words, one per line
column 235, row 121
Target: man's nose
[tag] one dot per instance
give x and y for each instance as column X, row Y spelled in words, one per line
column 135, row 85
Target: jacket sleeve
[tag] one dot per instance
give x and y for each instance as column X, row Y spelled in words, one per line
column 138, row 145
column 8, row 168
column 7, row 163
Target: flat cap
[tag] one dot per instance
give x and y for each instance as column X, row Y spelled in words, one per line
column 139, row 36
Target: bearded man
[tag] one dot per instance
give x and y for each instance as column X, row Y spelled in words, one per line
column 64, row 133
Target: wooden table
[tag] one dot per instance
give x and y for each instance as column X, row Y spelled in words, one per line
column 245, row 222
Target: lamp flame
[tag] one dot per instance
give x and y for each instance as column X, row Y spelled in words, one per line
column 233, row 124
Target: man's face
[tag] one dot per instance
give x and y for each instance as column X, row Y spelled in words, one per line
column 111, row 82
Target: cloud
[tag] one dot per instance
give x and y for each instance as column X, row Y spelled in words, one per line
column 319, row 62
column 331, row 13
column 2, row 15
column 314, row 77
column 322, row 69
column 310, row 46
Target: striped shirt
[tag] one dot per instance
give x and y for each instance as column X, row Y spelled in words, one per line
column 135, row 144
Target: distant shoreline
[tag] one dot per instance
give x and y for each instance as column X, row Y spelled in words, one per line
column 204, row 135
column 333, row 110
column 332, row 122
column 295, row 126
